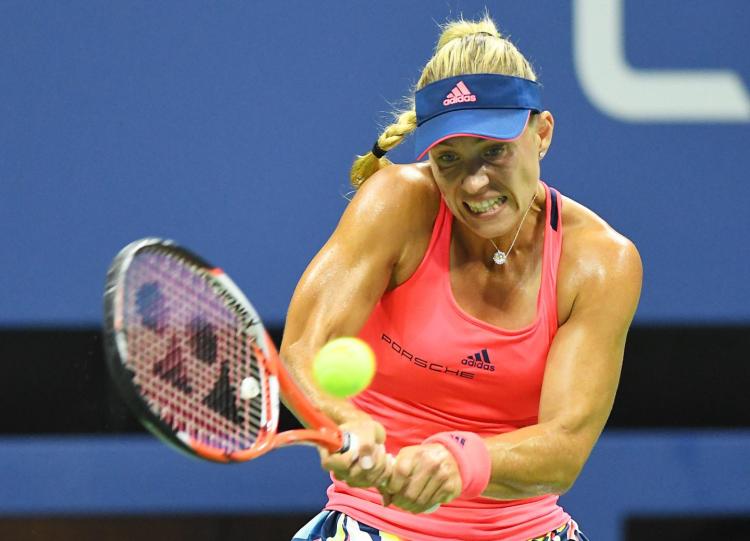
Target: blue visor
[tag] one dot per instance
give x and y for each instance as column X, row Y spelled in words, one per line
column 478, row 105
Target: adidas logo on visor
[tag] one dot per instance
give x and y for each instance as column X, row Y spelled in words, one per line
column 459, row 94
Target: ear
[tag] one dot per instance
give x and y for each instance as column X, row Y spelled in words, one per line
column 545, row 126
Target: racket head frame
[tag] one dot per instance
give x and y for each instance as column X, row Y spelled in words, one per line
column 321, row 430
column 115, row 343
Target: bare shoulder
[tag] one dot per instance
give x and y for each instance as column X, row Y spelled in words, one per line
column 392, row 215
column 398, row 204
column 597, row 262
column 403, row 191
column 590, row 239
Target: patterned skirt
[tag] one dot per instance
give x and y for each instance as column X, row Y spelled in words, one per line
column 336, row 526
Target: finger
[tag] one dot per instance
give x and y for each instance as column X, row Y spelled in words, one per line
column 430, row 500
column 415, row 486
column 432, row 481
column 443, row 480
column 382, row 482
column 367, row 461
column 426, row 497
column 417, row 494
column 338, row 467
column 449, row 491
column 368, row 456
column 339, row 464
column 431, row 509
column 380, row 465
column 401, row 469
column 426, row 478
column 373, row 475
column 406, row 504
column 336, row 460
column 411, row 507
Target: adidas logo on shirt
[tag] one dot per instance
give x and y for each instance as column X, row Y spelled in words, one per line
column 459, row 94
column 480, row 360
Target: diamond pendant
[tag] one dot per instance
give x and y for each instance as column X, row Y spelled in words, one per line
column 499, row 257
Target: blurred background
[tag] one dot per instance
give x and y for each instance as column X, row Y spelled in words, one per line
column 230, row 127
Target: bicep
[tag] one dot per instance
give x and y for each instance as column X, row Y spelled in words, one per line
column 345, row 280
column 336, row 293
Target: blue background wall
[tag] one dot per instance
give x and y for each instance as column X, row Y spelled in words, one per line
column 685, row 474
column 230, row 127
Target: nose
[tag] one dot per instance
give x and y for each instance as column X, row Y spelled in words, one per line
column 475, row 181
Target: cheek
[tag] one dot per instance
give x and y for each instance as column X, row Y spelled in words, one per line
column 454, row 207
column 446, row 179
column 526, row 163
column 448, row 192
column 531, row 166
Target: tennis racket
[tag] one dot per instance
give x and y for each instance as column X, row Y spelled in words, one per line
column 191, row 357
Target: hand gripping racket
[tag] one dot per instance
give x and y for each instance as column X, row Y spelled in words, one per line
column 191, row 357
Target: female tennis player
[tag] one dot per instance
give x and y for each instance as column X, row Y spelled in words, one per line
column 497, row 307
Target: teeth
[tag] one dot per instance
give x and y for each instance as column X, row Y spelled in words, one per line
column 484, row 206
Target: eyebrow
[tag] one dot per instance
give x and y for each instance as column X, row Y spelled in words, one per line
column 446, row 143
column 482, row 141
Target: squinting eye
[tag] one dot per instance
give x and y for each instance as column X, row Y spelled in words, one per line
column 494, row 152
column 447, row 157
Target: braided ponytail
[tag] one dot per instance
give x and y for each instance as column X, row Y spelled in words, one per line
column 366, row 165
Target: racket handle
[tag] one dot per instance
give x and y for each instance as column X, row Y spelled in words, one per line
column 349, row 442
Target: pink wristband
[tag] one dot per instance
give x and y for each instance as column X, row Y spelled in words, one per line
column 472, row 457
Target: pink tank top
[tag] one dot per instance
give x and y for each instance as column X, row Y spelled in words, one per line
column 441, row 369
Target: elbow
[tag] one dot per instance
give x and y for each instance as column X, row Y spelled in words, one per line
column 556, row 477
column 563, row 484
column 566, row 474
column 573, row 444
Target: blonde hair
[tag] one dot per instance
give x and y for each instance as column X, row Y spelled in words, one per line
column 464, row 47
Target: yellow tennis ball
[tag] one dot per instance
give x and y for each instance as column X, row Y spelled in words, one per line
column 344, row 367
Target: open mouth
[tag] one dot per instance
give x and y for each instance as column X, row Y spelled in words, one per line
column 485, row 207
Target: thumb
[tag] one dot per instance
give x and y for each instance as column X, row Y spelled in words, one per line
column 379, row 433
column 384, row 478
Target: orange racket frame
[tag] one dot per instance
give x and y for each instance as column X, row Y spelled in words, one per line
column 324, row 432
column 320, row 429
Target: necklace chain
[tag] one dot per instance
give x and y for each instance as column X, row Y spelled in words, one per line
column 500, row 257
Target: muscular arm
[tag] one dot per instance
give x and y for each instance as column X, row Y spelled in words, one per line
column 583, row 370
column 361, row 260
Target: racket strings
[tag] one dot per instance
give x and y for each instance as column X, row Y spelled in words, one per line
column 190, row 352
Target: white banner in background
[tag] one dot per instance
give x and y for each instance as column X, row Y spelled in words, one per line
column 633, row 95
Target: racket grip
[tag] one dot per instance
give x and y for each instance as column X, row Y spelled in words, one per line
column 349, row 442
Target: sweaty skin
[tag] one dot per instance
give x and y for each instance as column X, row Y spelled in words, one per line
column 381, row 240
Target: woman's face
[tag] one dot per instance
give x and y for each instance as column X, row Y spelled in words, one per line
column 488, row 184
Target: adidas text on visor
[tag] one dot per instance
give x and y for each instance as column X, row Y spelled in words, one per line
column 483, row 105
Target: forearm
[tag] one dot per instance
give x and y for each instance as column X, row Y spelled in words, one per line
column 532, row 461
column 297, row 361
